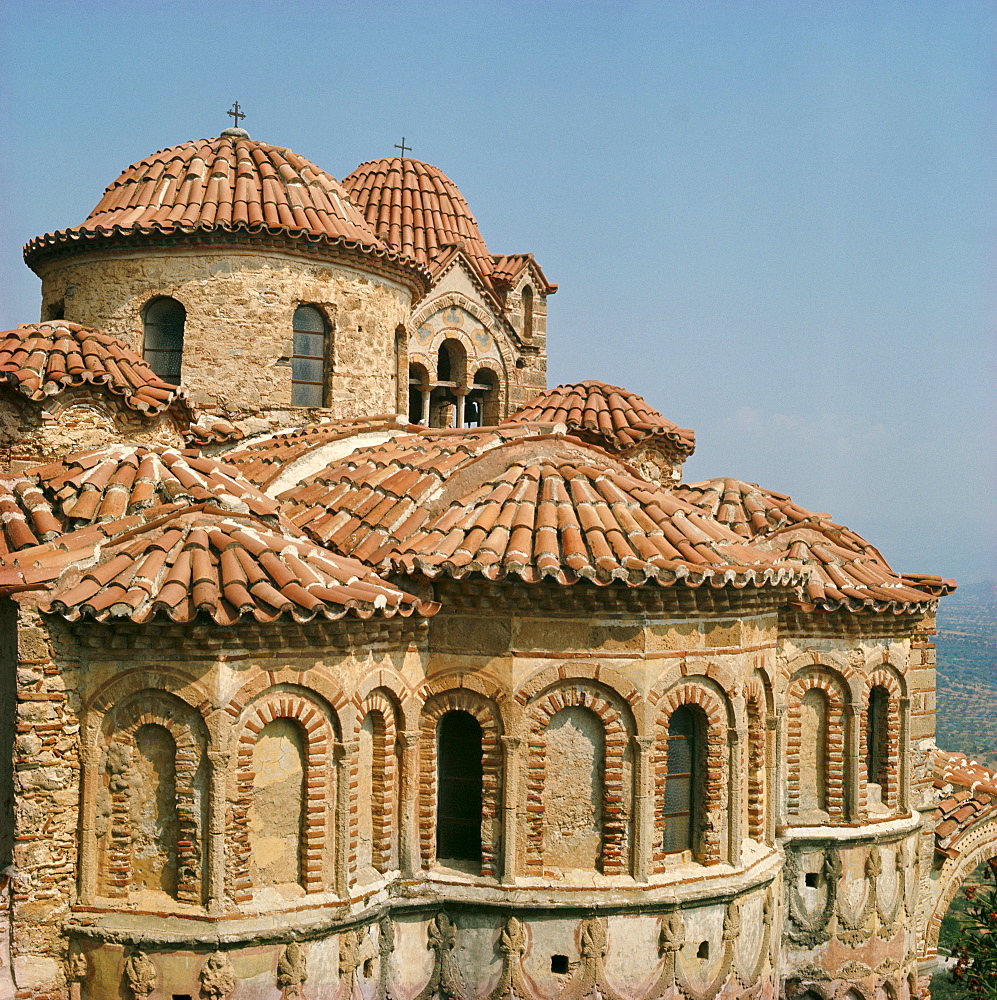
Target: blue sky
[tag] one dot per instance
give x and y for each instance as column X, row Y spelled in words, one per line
column 776, row 220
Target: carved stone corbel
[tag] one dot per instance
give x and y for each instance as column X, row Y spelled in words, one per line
column 512, row 984
column 292, row 972
column 446, row 980
column 590, row 978
column 217, row 976
column 140, row 975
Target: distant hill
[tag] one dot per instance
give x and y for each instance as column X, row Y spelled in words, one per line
column 967, row 672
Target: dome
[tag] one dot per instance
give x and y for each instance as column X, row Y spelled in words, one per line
column 416, row 210
column 225, row 184
column 606, row 415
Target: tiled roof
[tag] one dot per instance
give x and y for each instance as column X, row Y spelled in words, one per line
column 263, row 461
column 604, row 414
column 848, row 571
column 224, row 184
column 210, row 429
column 506, row 268
column 967, row 794
column 180, row 564
column 123, row 480
column 516, row 500
column 44, row 359
column 417, row 210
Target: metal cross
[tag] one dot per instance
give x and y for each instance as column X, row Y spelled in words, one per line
column 403, row 147
column 237, row 114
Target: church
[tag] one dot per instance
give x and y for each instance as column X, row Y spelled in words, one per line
column 343, row 658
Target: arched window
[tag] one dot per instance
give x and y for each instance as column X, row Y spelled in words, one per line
column 308, row 363
column 813, row 751
column 418, row 395
column 458, row 790
column 162, row 343
column 877, row 741
column 684, row 784
column 527, row 312
column 481, row 403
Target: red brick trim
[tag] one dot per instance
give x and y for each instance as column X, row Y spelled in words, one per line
column 487, row 714
column 717, row 769
column 615, row 817
column 384, row 782
column 757, row 717
column 835, row 689
column 881, row 677
column 319, row 733
column 154, row 708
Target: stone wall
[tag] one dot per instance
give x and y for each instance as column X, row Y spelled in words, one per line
column 240, row 306
column 33, row 433
column 283, row 780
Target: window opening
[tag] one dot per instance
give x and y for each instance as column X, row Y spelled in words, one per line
column 163, row 331
column 418, row 395
column 481, row 403
column 458, row 808
column 703, row 951
column 308, row 362
column 527, row 312
column 559, row 964
column 680, row 782
column 877, row 736
column 811, row 880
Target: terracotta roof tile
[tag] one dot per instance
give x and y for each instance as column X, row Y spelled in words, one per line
column 210, row 429
column 187, row 562
column 507, row 267
column 106, row 484
column 44, row 359
column 848, row 571
column 967, row 795
column 263, row 461
column 516, row 500
column 227, row 184
column 417, row 210
column 605, row 415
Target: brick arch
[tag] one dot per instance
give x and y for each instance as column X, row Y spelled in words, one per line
column 457, row 299
column 318, row 729
column 612, row 683
column 391, row 684
column 712, row 675
column 383, row 705
column 716, row 709
column 151, row 707
column 126, row 683
column 487, row 714
column 830, row 659
column 837, row 691
column 885, row 678
column 311, row 683
column 618, row 726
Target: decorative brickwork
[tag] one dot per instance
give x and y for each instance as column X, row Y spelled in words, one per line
column 613, row 858
column 757, row 754
column 379, row 709
column 714, row 791
column 825, row 680
column 491, row 767
column 120, row 784
column 318, row 730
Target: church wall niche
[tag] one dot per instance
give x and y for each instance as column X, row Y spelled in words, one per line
column 584, row 832
column 879, row 743
column 150, row 799
column 277, row 812
column 711, row 791
column 296, row 780
column 816, row 740
column 487, row 717
column 573, row 803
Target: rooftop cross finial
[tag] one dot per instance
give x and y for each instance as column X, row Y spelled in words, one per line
column 403, row 147
column 237, row 114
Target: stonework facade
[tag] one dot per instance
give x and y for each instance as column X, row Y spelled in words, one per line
column 447, row 688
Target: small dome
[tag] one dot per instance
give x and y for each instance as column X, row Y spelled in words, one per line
column 225, row 184
column 416, row 209
column 606, row 415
